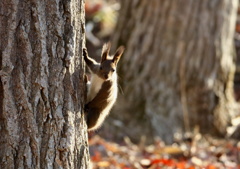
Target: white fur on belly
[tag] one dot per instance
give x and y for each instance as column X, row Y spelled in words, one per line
column 111, row 100
column 94, row 87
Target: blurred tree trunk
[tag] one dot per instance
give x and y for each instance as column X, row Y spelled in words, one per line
column 178, row 68
column 41, row 85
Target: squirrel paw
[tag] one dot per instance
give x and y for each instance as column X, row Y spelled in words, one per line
column 85, row 53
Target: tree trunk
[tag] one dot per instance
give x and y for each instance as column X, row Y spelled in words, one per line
column 41, row 88
column 177, row 71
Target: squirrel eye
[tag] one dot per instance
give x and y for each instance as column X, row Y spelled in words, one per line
column 101, row 68
column 113, row 70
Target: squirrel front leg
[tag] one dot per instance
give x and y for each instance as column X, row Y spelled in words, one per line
column 91, row 63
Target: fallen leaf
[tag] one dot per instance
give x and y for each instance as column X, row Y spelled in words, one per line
column 196, row 161
column 145, row 162
column 103, row 164
column 97, row 156
column 211, row 167
column 172, row 150
column 181, row 165
column 167, row 162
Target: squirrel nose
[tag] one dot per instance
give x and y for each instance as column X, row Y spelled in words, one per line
column 106, row 76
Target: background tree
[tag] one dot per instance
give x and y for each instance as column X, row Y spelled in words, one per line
column 178, row 68
column 41, row 87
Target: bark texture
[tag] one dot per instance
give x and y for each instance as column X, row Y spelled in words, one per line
column 177, row 71
column 41, row 85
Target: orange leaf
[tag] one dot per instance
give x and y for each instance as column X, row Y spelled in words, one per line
column 192, row 167
column 111, row 147
column 167, row 162
column 181, row 165
column 97, row 156
column 211, row 167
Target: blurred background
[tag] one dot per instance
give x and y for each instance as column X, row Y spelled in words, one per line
column 180, row 72
column 179, row 83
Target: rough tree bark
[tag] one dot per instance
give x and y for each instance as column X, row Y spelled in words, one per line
column 41, row 85
column 177, row 71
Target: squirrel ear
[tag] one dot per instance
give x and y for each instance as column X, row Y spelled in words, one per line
column 118, row 54
column 105, row 51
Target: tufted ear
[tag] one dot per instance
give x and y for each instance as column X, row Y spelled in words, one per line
column 105, row 51
column 118, row 54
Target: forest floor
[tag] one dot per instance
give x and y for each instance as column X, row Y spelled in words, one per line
column 198, row 152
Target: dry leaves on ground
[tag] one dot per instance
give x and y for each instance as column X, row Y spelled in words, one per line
column 189, row 153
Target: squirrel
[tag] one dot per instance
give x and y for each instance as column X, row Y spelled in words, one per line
column 102, row 88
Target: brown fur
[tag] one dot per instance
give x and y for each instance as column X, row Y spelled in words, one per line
column 98, row 104
column 102, row 93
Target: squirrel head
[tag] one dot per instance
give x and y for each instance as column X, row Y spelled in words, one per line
column 108, row 63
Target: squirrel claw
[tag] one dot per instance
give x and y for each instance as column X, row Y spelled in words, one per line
column 85, row 52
